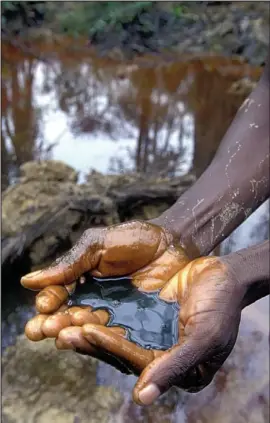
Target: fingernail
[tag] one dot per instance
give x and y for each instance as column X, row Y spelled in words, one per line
column 149, row 394
column 32, row 274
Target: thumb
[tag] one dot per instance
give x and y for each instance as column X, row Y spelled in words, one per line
column 171, row 369
column 82, row 257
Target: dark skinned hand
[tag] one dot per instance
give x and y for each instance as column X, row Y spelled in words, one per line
column 209, row 296
column 142, row 250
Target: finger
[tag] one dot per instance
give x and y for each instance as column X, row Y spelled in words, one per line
column 62, row 308
column 157, row 273
column 72, row 339
column 175, row 288
column 54, row 324
column 75, row 309
column 111, row 342
column 33, row 328
column 169, row 370
column 83, row 257
column 118, row 331
column 84, row 316
column 129, row 247
column 51, row 298
column 75, row 316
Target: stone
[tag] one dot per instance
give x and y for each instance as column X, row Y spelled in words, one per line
column 261, row 30
column 42, row 384
column 41, row 185
column 221, row 29
column 48, row 170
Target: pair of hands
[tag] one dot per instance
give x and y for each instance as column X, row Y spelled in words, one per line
column 209, row 296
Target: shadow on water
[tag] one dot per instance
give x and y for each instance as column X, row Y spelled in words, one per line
column 164, row 116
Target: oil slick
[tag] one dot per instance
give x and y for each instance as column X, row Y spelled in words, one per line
column 150, row 322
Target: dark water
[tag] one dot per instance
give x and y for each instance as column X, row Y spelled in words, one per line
column 150, row 321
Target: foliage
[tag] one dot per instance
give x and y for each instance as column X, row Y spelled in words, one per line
column 17, row 15
column 177, row 10
column 81, row 18
column 92, row 17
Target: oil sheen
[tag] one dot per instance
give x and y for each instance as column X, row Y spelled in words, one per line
column 150, row 322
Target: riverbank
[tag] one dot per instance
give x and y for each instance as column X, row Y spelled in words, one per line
column 126, row 30
column 223, row 28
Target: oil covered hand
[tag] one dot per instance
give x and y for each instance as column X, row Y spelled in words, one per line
column 210, row 300
column 142, row 250
column 212, row 292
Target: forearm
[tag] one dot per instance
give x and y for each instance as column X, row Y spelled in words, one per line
column 233, row 186
column 250, row 267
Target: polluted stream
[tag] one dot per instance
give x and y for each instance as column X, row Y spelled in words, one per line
column 154, row 115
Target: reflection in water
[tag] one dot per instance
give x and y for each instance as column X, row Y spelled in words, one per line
column 147, row 116
column 20, row 123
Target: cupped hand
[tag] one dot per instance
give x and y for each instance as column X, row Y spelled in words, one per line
column 141, row 249
column 211, row 301
column 144, row 251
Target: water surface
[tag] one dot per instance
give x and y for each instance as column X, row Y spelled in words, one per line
column 156, row 115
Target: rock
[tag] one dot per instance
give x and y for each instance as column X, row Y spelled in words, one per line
column 41, row 384
column 221, row 29
column 45, row 213
column 51, row 232
column 261, row 30
column 40, row 187
column 49, row 170
column 102, row 184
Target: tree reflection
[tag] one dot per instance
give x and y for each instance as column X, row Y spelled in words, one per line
column 151, row 103
column 158, row 114
column 144, row 102
column 164, row 107
column 21, row 120
column 213, row 108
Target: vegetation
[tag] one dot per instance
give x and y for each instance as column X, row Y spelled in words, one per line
column 81, row 18
column 92, row 17
column 18, row 15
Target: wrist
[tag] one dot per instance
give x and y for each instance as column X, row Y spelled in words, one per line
column 250, row 268
column 178, row 233
column 194, row 219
